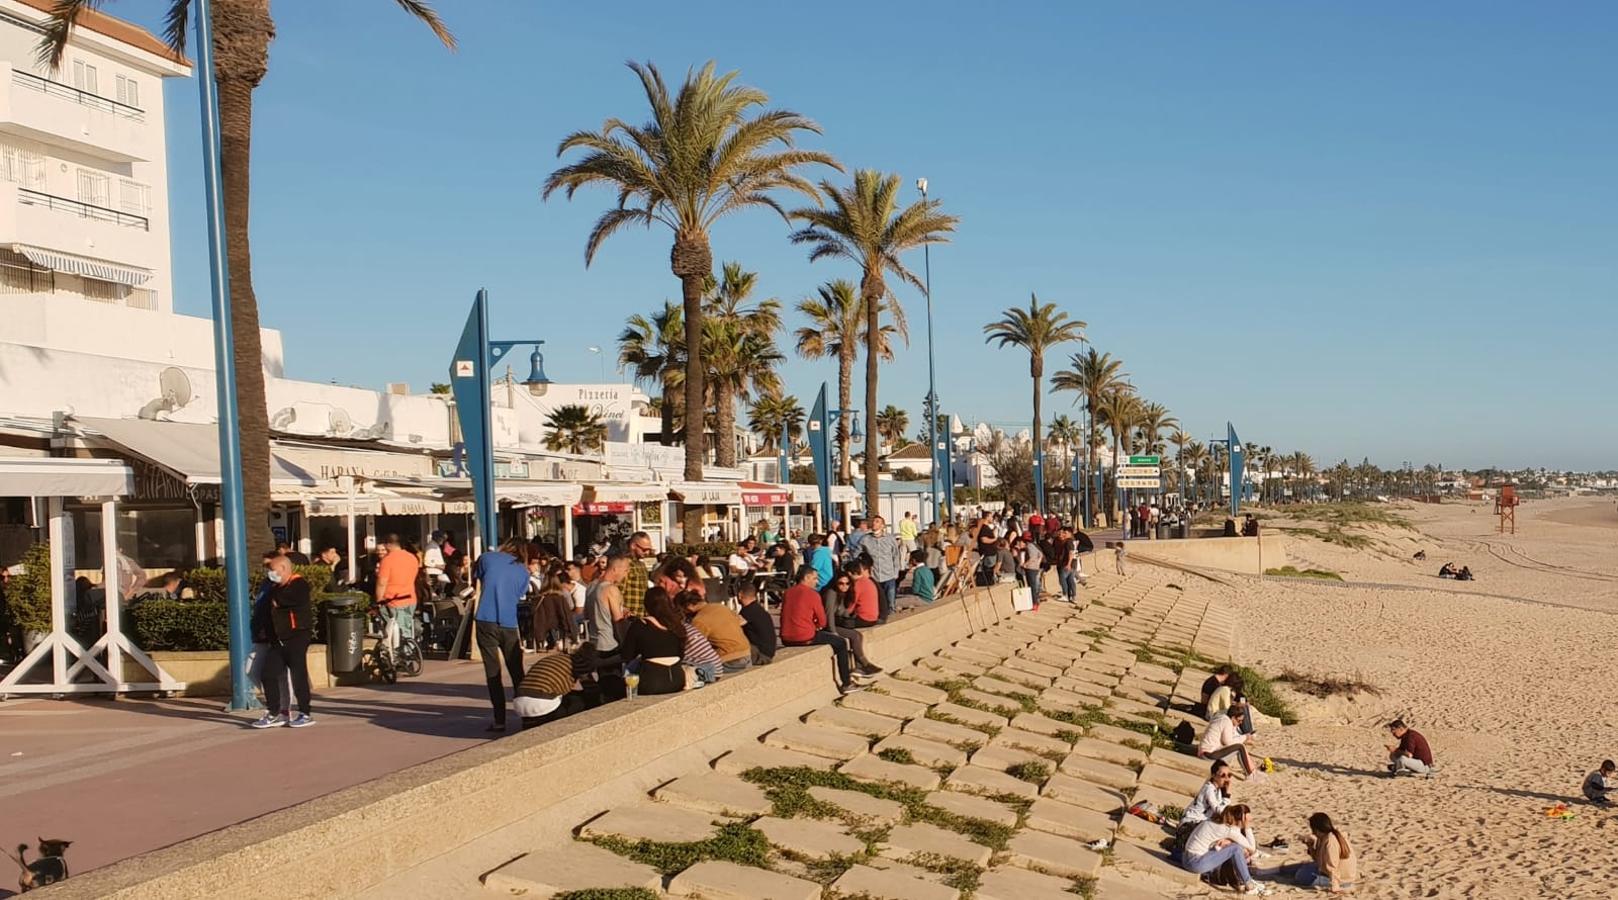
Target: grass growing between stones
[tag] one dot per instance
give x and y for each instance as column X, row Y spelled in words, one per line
column 607, row 894
column 788, row 791
column 1031, row 772
column 1084, row 718
column 958, row 873
column 827, row 871
column 1261, row 694
column 1084, row 887
column 736, row 842
column 946, row 718
column 1071, row 737
column 897, row 755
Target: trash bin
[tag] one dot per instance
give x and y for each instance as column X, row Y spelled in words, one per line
column 1162, row 531
column 345, row 634
column 1185, row 529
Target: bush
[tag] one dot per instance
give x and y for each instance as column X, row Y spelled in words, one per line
column 29, row 594
column 209, row 581
column 178, row 625
column 716, row 550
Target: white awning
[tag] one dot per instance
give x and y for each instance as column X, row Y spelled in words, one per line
column 131, row 276
column 190, row 451
column 364, row 505
column 627, row 493
column 534, row 493
column 717, row 493
column 42, row 477
column 805, row 493
column 842, row 493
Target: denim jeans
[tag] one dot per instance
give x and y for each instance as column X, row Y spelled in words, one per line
column 1213, row 859
column 1070, row 584
column 886, row 592
column 839, row 652
column 255, row 675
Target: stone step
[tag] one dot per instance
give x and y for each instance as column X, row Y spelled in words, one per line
column 921, row 839
column 1031, row 667
column 1067, row 820
column 570, row 866
column 973, row 806
column 932, row 754
column 1182, row 762
column 809, row 838
column 996, row 686
column 648, row 821
column 827, row 742
column 716, row 793
column 1031, row 742
column 1145, row 710
column 714, row 879
column 1137, row 829
column 1115, row 885
column 1053, row 855
column 970, row 716
column 758, row 756
column 861, row 807
column 1002, row 706
column 870, row 768
column 1103, row 773
column 1130, row 857
column 999, row 757
column 864, row 881
column 1061, row 698
column 910, row 690
column 978, row 780
column 1169, row 779
column 975, row 657
column 1014, row 883
column 884, row 705
column 1158, row 796
column 957, row 736
column 854, row 721
column 1040, row 724
column 1091, row 663
column 949, row 667
column 1025, row 682
column 1049, row 655
column 1107, row 751
column 1115, row 734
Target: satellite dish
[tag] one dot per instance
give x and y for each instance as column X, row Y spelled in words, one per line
column 283, row 418
column 341, row 423
column 174, row 392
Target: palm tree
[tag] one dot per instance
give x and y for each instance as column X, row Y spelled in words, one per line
column 837, row 323
column 1066, row 432
column 1192, row 458
column 1092, row 375
column 242, row 30
column 771, row 416
column 739, row 348
column 1119, row 410
column 891, row 422
column 575, row 429
column 865, row 224
column 654, row 350
column 1153, row 421
column 707, row 152
column 1179, row 440
column 1036, row 329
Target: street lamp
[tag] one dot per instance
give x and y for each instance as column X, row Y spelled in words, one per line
column 603, row 357
column 932, row 387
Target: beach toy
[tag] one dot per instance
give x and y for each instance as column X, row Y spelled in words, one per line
column 1268, row 766
column 1559, row 811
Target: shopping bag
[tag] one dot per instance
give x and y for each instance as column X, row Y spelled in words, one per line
column 1022, row 599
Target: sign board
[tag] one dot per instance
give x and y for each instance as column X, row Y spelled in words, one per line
column 1150, row 484
column 1145, row 460
column 464, row 369
column 1138, row 472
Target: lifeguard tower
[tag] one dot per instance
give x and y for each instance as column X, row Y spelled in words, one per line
column 1505, row 505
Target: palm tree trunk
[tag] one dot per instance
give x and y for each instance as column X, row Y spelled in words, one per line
column 692, row 262
column 724, row 425
column 242, row 33
column 845, row 399
column 666, row 413
column 873, row 292
column 1039, row 448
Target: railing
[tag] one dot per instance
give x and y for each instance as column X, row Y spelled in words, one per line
column 83, row 98
column 81, row 209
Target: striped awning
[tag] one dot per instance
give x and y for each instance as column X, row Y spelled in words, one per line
column 80, row 265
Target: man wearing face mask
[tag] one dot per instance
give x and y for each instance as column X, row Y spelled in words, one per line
column 291, row 617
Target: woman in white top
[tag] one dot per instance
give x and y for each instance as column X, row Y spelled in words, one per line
column 1210, row 801
column 1222, row 847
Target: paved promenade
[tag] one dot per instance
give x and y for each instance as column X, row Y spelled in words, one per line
column 986, row 767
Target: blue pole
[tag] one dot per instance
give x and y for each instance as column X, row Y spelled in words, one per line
column 238, row 613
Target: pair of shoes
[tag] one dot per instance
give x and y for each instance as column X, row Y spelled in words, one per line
column 270, row 721
column 301, row 720
column 862, row 678
column 872, row 670
column 851, row 688
column 496, row 726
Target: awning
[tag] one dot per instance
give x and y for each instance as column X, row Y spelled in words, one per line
column 364, row 505
column 842, row 493
column 805, row 493
column 24, row 477
column 611, row 492
column 190, row 451
column 758, row 493
column 532, row 493
column 702, row 493
column 602, row 509
column 133, row 276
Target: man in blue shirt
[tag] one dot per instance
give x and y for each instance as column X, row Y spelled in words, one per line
column 820, row 559
column 502, row 581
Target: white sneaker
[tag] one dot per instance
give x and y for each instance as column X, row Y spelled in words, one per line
column 852, row 687
column 270, row 721
column 301, row 720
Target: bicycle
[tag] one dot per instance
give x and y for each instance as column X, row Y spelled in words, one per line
column 392, row 654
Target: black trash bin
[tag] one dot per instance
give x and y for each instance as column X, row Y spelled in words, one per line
column 1185, row 529
column 345, row 634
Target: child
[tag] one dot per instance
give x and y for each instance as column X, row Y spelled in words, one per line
column 923, row 583
column 1120, row 557
column 1598, row 784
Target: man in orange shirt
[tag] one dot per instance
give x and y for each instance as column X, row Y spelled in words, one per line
column 396, row 586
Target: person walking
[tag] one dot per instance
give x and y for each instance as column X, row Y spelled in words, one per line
column 396, row 586
column 887, row 561
column 500, row 582
column 291, row 617
column 263, row 634
column 908, row 530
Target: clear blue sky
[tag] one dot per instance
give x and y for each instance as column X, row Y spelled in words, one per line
column 1382, row 229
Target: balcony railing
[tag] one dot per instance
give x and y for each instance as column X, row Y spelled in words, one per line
column 83, row 98
column 81, row 209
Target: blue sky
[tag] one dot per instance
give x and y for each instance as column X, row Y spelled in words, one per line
column 1379, row 229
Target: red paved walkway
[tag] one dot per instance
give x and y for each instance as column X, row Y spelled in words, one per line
column 120, row 778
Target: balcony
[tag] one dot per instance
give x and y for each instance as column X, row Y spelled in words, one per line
column 67, row 226
column 61, row 115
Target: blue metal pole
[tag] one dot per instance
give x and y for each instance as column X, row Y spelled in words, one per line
column 231, row 501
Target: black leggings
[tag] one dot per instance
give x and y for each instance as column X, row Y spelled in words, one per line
column 497, row 645
column 290, row 655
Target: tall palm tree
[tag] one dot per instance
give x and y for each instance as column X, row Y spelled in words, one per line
column 575, row 429
column 864, row 224
column 242, row 30
column 770, row 417
column 1178, row 439
column 740, row 351
column 708, row 151
column 653, row 348
column 1091, row 375
column 1066, row 433
column 1192, row 457
column 837, row 324
column 1154, row 420
column 1036, row 329
column 892, row 422
column 1119, row 410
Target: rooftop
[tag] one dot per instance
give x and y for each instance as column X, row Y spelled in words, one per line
column 115, row 28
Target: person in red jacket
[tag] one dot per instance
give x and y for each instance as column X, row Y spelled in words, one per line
column 291, row 620
column 803, row 623
column 865, row 610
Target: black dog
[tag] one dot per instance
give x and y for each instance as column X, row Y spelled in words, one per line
column 50, row 868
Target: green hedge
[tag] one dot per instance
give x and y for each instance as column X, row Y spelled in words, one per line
column 204, row 624
column 29, row 594
column 718, row 549
column 209, row 581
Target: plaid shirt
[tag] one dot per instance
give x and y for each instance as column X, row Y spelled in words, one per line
column 634, row 587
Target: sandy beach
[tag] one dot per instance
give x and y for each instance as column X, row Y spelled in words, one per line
column 1514, row 695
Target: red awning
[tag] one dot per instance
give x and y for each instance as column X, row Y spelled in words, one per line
column 604, row 508
column 758, row 493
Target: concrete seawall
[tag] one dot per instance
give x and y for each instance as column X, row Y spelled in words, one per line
column 1244, row 556
column 479, row 808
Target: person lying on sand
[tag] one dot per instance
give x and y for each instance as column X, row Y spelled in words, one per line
column 1464, row 575
column 1411, row 754
column 1420, row 554
column 1600, row 783
column 1448, row 571
column 1224, row 738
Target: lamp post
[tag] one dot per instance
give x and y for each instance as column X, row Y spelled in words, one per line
column 932, row 387
column 603, row 357
column 231, row 501
column 470, row 371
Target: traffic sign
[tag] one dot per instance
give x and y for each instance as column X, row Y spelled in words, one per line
column 1140, row 483
column 1138, row 472
column 1145, row 460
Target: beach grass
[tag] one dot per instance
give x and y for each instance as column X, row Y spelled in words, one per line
column 1295, row 572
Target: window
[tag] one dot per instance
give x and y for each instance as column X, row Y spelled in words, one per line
column 84, row 76
column 95, row 188
column 141, row 298
column 128, row 91
column 102, row 291
column 134, row 197
column 20, row 165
